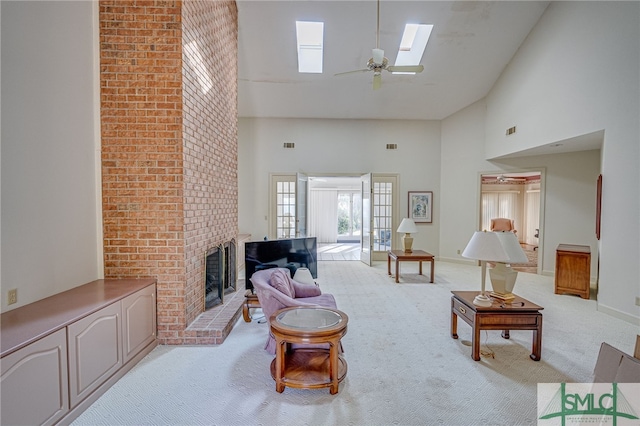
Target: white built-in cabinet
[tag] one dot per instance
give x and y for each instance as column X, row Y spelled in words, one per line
column 54, row 365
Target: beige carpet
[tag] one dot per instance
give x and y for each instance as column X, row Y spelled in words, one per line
column 404, row 368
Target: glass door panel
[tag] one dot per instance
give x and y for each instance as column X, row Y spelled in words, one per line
column 367, row 210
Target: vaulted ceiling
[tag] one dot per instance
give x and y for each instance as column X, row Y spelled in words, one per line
column 471, row 44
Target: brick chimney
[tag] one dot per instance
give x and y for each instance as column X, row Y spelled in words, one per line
column 168, row 95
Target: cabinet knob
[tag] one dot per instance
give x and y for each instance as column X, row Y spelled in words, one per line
column 463, row 310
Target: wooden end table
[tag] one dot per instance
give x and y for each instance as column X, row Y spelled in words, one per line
column 414, row 256
column 308, row 367
column 517, row 314
column 250, row 302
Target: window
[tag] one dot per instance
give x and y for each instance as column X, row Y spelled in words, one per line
column 498, row 204
column 309, row 37
column 349, row 216
column 413, row 43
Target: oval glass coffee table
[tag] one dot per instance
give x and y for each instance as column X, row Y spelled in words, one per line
column 309, row 365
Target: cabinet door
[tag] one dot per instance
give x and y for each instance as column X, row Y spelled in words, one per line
column 138, row 321
column 95, row 351
column 34, row 382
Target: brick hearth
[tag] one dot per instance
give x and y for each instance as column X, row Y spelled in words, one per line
column 214, row 325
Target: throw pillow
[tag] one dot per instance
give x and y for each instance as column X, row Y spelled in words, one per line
column 280, row 281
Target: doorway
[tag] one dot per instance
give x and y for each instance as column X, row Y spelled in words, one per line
column 517, row 196
column 334, row 210
column 334, row 216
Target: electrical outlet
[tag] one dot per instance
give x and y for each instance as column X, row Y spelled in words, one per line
column 637, row 300
column 12, row 296
column 458, row 251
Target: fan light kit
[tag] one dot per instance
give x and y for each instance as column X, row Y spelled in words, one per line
column 379, row 62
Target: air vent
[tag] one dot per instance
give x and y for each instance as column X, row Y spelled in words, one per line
column 392, row 146
column 511, row 130
column 289, row 145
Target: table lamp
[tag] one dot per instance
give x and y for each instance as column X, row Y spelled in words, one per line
column 303, row 275
column 503, row 278
column 409, row 227
column 485, row 247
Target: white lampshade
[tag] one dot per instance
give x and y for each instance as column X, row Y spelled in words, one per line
column 512, row 247
column 500, row 248
column 408, row 226
column 485, row 246
column 303, row 275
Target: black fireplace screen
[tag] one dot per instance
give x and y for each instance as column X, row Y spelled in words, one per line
column 220, row 273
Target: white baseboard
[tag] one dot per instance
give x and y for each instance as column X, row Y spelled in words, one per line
column 631, row 319
column 456, row 260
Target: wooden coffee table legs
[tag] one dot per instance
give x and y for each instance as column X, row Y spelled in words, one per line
column 415, row 256
column 308, row 368
column 502, row 318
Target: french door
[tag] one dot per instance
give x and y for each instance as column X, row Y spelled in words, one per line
column 379, row 211
column 379, row 215
column 366, row 243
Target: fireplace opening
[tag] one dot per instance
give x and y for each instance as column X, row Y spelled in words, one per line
column 220, row 273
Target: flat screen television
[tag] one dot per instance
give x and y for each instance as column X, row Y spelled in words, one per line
column 291, row 253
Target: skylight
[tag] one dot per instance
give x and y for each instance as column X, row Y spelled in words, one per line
column 310, row 48
column 414, row 41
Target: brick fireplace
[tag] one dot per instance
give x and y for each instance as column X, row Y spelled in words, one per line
column 168, row 93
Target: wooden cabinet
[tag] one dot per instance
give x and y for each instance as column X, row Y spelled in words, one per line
column 573, row 270
column 34, row 382
column 138, row 322
column 61, row 353
column 95, row 351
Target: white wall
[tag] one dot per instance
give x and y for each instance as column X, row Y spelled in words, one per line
column 337, row 146
column 462, row 161
column 577, row 73
column 569, row 188
column 50, row 240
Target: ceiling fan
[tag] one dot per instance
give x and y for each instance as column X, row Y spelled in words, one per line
column 378, row 62
column 503, row 178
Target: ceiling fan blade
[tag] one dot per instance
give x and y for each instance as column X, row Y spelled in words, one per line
column 405, row 68
column 377, row 81
column 352, row 72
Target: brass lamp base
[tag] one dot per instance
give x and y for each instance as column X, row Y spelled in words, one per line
column 407, row 243
column 503, row 279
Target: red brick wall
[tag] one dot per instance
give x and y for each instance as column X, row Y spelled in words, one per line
column 210, row 141
column 169, row 150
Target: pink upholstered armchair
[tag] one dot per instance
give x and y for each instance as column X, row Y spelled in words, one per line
column 277, row 290
column 502, row 224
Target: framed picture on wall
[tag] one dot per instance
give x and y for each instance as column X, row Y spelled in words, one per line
column 420, row 206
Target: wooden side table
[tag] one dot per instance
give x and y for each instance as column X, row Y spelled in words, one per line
column 573, row 270
column 308, row 366
column 414, row 256
column 250, row 302
column 518, row 314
